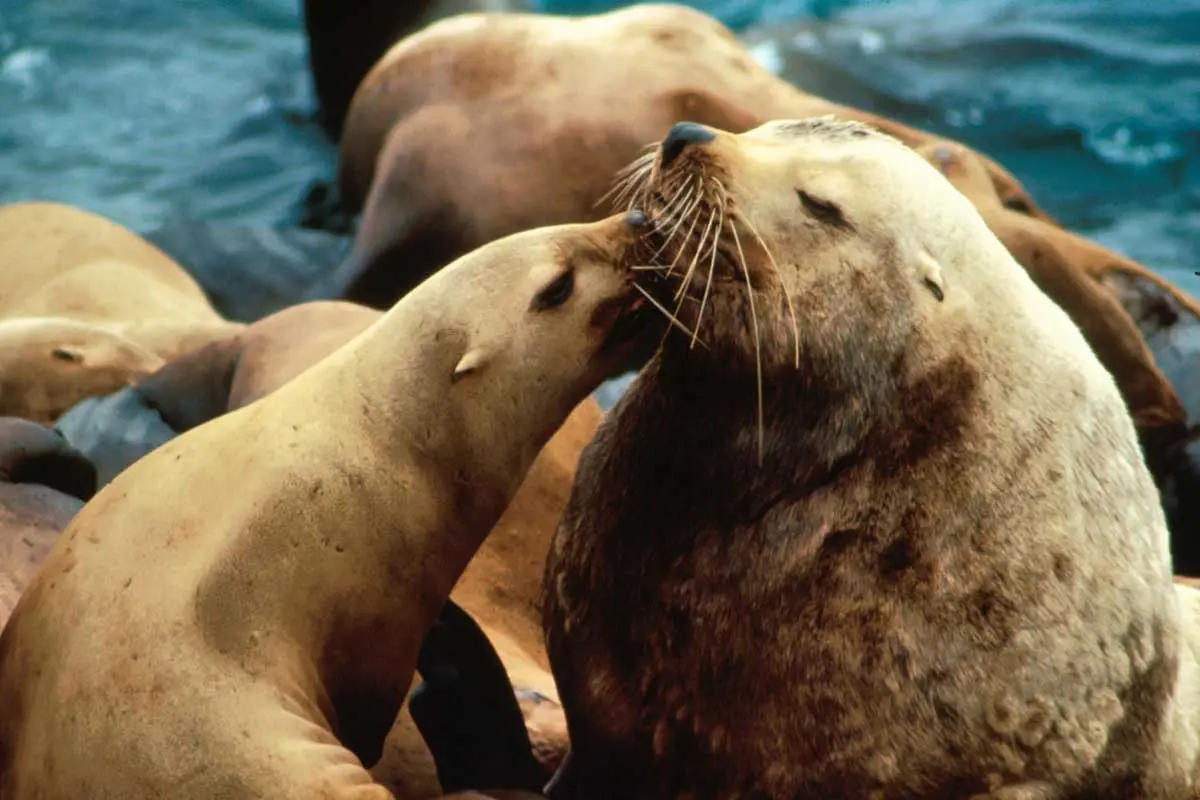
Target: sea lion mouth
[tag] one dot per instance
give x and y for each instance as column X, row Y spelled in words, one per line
column 636, row 317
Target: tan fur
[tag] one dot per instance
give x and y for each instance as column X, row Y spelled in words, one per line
column 43, row 483
column 226, row 643
column 115, row 292
column 483, row 124
column 48, row 364
column 1069, row 269
column 934, row 566
column 501, row 585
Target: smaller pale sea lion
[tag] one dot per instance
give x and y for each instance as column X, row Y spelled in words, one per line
column 501, row 584
column 270, row 616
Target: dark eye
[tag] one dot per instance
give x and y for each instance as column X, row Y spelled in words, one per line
column 556, row 292
column 66, row 355
column 823, row 210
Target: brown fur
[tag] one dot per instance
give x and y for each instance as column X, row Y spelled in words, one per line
column 935, row 565
column 481, row 125
column 346, row 37
column 43, row 483
column 256, row 636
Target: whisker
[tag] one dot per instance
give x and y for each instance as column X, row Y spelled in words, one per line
column 686, row 238
column 757, row 343
column 687, row 277
column 629, row 176
column 674, row 321
column 687, row 212
column 712, row 267
column 782, row 288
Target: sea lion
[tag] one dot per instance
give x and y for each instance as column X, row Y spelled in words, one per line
column 60, row 261
column 1098, row 289
column 877, row 525
column 484, row 124
column 43, row 483
column 47, row 365
column 346, row 38
column 1058, row 262
column 269, row 617
column 222, row 375
column 501, row 585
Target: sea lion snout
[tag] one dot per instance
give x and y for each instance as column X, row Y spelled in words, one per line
column 680, row 136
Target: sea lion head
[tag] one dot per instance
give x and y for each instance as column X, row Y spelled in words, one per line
column 964, row 169
column 819, row 248
column 48, row 364
column 552, row 302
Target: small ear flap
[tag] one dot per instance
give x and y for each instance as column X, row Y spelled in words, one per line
column 67, row 354
column 472, row 361
column 930, row 272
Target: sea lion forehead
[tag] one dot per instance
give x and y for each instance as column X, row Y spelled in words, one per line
column 825, row 128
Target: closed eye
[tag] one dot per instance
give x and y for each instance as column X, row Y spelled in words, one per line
column 555, row 293
column 824, row 211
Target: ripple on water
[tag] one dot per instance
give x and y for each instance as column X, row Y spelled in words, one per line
column 144, row 110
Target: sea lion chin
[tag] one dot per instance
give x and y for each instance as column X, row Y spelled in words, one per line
column 870, row 504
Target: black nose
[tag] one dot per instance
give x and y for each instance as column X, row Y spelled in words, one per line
column 680, row 136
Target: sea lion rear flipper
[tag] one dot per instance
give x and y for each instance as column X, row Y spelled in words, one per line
column 467, row 711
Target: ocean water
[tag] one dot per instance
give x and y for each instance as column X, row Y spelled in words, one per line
column 147, row 111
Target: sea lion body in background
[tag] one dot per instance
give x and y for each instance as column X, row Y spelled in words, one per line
column 60, row 261
column 43, row 483
column 48, row 364
column 484, row 124
column 888, row 532
column 270, row 615
column 85, row 307
column 1099, row 289
column 347, row 37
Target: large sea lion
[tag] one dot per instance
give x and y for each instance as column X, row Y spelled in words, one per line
column 881, row 529
column 255, row 636
column 1099, row 289
column 484, row 124
column 43, row 483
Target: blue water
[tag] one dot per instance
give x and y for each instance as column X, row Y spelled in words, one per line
column 145, row 110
